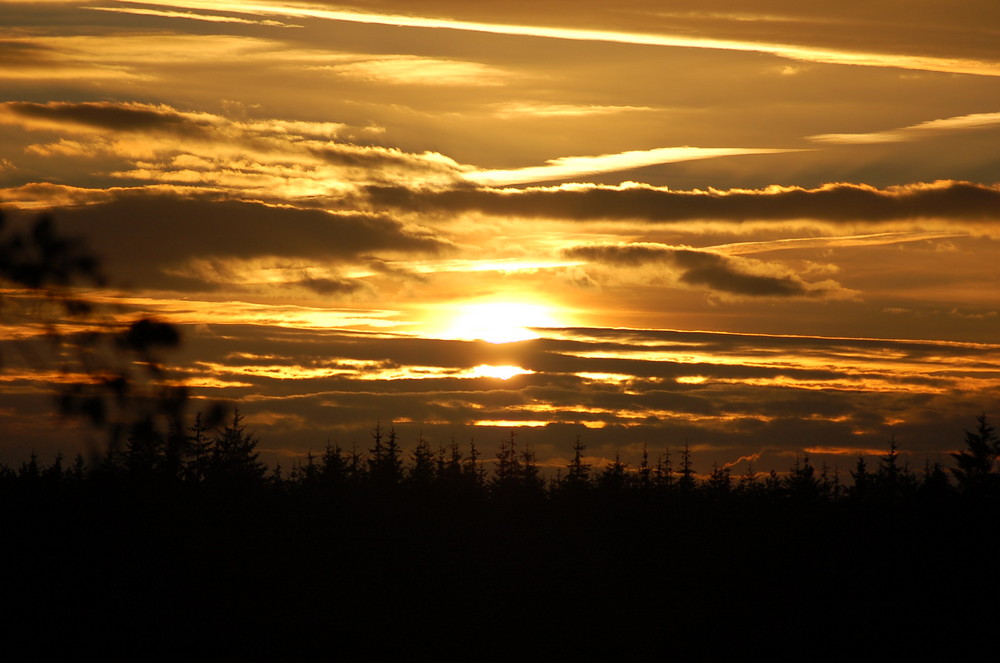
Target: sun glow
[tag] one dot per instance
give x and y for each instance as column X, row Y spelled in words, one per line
column 499, row 321
column 501, row 372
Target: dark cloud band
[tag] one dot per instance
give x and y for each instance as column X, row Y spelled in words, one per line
column 831, row 202
column 703, row 268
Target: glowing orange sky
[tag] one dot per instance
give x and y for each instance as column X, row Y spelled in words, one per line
column 760, row 227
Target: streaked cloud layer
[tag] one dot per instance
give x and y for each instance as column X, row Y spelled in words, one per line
column 790, row 51
column 759, row 227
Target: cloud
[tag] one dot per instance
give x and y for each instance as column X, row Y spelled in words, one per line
column 881, row 354
column 412, row 70
column 101, row 116
column 725, row 359
column 133, row 117
column 17, row 53
column 211, row 18
column 517, row 110
column 915, row 131
column 807, row 53
column 42, row 195
column 718, row 272
column 268, row 159
column 155, row 239
column 118, row 57
column 327, row 286
column 759, row 390
column 567, row 167
column 866, row 240
column 830, row 202
column 954, row 313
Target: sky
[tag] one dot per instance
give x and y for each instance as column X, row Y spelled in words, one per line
column 762, row 228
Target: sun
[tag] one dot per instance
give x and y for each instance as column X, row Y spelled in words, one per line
column 499, row 321
column 499, row 372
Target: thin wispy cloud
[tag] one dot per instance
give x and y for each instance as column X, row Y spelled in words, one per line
column 798, row 243
column 211, row 18
column 915, row 131
column 515, row 110
column 563, row 168
column 128, row 54
column 410, row 70
column 787, row 51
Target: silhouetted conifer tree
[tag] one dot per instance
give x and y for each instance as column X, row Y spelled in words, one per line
column 976, row 462
column 801, row 482
column 471, row 464
column 295, row 474
column 892, row 480
column 335, row 467
column 275, row 478
column 385, row 465
column 144, row 448
column 748, row 484
column 686, row 482
column 310, row 472
column 719, row 480
column 888, row 466
column 450, row 465
column 235, row 458
column 507, row 473
column 531, row 479
column 832, row 488
column 79, row 470
column 54, row 472
column 577, row 477
column 199, row 448
column 772, row 484
column 613, row 478
column 644, row 473
column 30, row 470
column 663, row 475
column 356, row 466
column 423, row 469
column 109, row 466
column 862, row 488
column 175, row 450
column 441, row 462
column 472, row 470
column 934, row 482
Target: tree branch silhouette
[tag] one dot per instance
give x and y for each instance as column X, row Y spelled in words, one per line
column 104, row 365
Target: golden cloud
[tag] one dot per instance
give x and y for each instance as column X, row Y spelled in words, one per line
column 787, row 51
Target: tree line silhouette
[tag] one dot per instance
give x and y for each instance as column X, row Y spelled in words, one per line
column 215, row 454
column 185, row 545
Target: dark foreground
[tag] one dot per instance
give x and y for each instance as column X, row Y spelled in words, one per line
column 118, row 570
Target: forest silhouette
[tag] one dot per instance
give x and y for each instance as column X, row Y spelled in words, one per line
column 199, row 551
column 178, row 543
